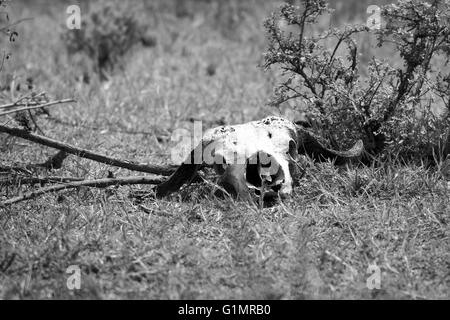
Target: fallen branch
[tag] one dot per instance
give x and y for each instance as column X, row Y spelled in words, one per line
column 83, row 153
column 26, row 180
column 98, row 183
column 36, row 106
column 26, row 100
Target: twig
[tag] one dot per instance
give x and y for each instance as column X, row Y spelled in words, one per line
column 19, row 102
column 24, row 180
column 37, row 106
column 3, row 29
column 83, row 153
column 98, row 183
column 36, row 126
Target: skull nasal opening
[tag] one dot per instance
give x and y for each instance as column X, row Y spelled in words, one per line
column 262, row 165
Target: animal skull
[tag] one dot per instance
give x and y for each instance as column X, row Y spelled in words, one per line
column 255, row 158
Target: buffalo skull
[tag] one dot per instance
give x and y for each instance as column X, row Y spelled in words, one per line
column 255, row 158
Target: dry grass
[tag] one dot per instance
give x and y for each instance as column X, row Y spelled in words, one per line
column 317, row 244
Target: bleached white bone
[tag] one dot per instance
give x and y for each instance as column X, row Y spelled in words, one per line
column 246, row 154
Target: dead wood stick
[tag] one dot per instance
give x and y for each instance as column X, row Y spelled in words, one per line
column 27, row 180
column 36, row 106
column 19, row 102
column 97, row 183
column 83, row 153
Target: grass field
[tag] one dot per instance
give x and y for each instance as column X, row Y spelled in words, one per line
column 317, row 244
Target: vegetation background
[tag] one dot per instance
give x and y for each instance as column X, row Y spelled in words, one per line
column 198, row 60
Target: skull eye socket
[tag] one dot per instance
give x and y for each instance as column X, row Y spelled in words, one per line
column 293, row 152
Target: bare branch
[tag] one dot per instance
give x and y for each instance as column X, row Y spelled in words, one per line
column 98, row 183
column 83, row 153
column 37, row 106
column 27, row 180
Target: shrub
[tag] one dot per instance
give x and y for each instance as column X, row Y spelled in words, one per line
column 392, row 107
column 109, row 31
